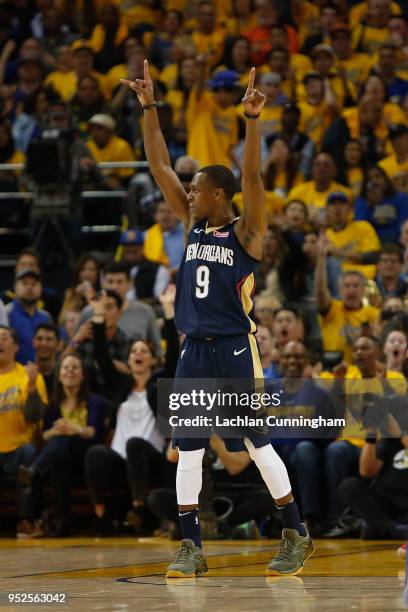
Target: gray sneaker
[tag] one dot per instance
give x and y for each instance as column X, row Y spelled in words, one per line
column 189, row 562
column 294, row 551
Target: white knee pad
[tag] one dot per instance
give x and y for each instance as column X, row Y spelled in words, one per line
column 272, row 468
column 189, row 477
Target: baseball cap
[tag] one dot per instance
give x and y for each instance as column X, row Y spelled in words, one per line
column 322, row 49
column 225, row 79
column 337, row 196
column 81, row 44
column 397, row 129
column 26, row 273
column 270, row 78
column 131, row 237
column 103, row 120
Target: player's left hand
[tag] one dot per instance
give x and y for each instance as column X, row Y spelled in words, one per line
column 254, row 100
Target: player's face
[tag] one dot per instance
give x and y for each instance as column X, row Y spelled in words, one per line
column 202, row 197
column 141, row 358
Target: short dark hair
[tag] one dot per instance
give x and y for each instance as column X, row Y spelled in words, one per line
column 29, row 251
column 116, row 267
column 392, row 249
column 221, row 177
column 12, row 332
column 370, row 337
column 295, row 312
column 301, row 202
column 112, row 294
column 49, row 326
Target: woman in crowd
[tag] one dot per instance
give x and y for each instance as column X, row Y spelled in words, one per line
column 74, row 421
column 394, row 343
column 31, row 120
column 238, row 58
column 136, row 457
column 380, row 205
column 86, row 275
column 280, row 168
column 178, row 97
column 376, row 89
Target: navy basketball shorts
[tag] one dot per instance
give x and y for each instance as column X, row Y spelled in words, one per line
column 218, row 358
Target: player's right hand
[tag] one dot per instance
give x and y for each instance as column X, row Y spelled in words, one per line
column 143, row 87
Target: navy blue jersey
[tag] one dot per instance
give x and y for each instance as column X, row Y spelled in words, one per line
column 215, row 284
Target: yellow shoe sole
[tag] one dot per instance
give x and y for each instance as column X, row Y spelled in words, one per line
column 177, row 574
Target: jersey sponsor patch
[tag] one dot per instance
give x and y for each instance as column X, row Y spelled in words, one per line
column 218, row 234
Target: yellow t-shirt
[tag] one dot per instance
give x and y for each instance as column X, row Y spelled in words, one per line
column 153, row 247
column 355, row 178
column 397, row 172
column 79, row 416
column 299, row 65
column 15, row 430
column 358, row 11
column 340, row 326
column 212, row 130
column 337, row 87
column 176, row 99
column 313, row 198
column 65, row 83
column 354, row 388
column 213, row 43
column 358, row 236
column 274, row 204
column 237, row 28
column 356, row 68
column 117, row 149
column 368, row 39
column 270, row 119
column 314, row 120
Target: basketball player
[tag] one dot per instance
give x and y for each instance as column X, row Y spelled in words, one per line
column 213, row 308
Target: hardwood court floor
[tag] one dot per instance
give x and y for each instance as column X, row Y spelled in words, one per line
column 126, row 574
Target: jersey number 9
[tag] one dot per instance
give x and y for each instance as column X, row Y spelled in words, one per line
column 202, row 281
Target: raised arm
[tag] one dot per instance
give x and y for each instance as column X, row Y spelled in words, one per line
column 252, row 225
column 322, row 292
column 156, row 149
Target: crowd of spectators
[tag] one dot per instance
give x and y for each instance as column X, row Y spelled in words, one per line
column 79, row 368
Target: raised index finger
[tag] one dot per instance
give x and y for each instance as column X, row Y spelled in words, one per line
column 251, row 81
column 146, row 70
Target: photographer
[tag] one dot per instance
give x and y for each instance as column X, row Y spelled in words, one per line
column 383, row 502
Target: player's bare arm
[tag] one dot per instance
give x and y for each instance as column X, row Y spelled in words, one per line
column 252, row 225
column 156, row 150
